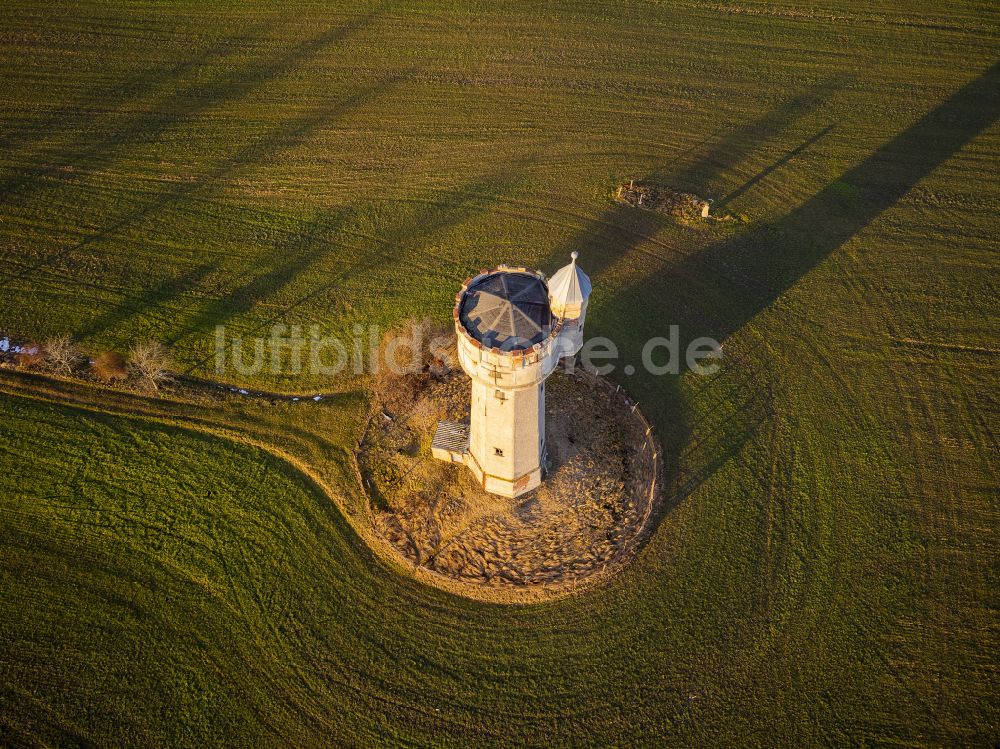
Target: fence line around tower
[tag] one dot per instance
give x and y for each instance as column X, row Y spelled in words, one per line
column 651, row 479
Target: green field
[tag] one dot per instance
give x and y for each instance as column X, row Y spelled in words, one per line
column 825, row 568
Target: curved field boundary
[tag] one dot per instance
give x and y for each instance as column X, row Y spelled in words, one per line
column 184, row 415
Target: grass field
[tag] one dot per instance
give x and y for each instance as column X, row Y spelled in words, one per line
column 825, row 570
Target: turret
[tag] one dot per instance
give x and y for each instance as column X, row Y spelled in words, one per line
column 569, row 291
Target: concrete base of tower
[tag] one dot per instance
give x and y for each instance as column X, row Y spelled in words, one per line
column 505, row 487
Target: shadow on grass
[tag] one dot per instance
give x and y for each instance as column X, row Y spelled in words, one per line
column 751, row 271
column 621, row 228
column 95, row 151
column 279, row 265
column 149, row 300
column 401, row 245
column 716, row 291
column 92, row 107
column 764, row 173
column 743, row 140
column 746, row 398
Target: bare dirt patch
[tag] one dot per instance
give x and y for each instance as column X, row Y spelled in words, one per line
column 585, row 521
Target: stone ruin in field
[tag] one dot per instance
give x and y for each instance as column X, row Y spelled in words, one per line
column 683, row 206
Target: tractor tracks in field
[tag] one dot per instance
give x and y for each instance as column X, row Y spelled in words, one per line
column 195, row 417
column 181, row 414
column 283, row 443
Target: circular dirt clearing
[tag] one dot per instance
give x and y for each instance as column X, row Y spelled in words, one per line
column 583, row 523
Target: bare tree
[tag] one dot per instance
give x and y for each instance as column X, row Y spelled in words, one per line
column 61, row 354
column 410, row 355
column 151, row 362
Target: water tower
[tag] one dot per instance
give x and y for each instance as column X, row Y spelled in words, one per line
column 513, row 327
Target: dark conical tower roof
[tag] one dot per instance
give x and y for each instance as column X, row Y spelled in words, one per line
column 508, row 310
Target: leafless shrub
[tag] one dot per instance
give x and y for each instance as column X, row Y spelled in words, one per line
column 31, row 356
column 409, row 356
column 109, row 367
column 425, row 414
column 151, row 363
column 61, row 355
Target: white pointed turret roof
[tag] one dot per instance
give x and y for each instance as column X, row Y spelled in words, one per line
column 569, row 285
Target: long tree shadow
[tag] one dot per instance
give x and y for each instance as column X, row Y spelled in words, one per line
column 716, row 291
column 175, row 110
column 263, row 147
column 93, row 151
column 147, row 300
column 402, row 244
column 621, row 228
column 92, row 107
column 283, row 261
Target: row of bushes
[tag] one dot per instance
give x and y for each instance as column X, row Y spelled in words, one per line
column 148, row 364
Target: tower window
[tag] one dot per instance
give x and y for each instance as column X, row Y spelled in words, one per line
column 498, row 451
